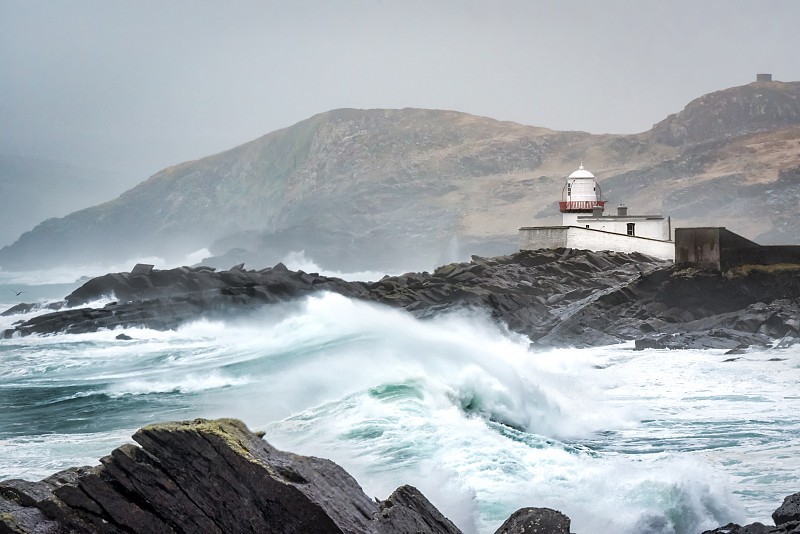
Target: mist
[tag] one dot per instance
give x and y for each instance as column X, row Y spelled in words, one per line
column 127, row 88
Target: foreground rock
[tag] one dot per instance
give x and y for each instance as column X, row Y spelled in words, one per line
column 556, row 297
column 198, row 477
column 209, row 476
column 202, row 476
column 535, row 521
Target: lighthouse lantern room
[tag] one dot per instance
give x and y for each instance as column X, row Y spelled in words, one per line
column 580, row 195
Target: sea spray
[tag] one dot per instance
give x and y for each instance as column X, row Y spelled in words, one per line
column 621, row 441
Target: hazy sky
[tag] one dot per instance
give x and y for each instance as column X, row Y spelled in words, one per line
column 137, row 85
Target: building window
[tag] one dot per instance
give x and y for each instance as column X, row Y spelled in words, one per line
column 631, row 229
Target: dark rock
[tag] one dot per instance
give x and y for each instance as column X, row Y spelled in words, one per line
column 210, row 477
column 788, row 511
column 22, row 307
column 733, row 528
column 535, row 521
column 555, row 297
column 792, row 527
column 142, row 268
column 407, row 510
column 739, row 349
column 123, row 337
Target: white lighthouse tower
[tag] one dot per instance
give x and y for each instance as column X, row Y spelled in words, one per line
column 585, row 227
column 580, row 196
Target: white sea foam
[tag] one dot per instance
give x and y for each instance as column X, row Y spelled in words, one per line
column 621, row 441
column 297, row 260
column 36, row 457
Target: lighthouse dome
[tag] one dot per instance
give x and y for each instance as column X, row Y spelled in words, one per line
column 581, row 173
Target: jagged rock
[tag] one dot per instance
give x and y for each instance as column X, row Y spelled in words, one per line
column 209, row 477
column 786, row 517
column 535, row 521
column 555, row 297
column 792, row 527
column 407, row 510
column 22, row 307
column 142, row 268
column 733, row 528
column 788, row 511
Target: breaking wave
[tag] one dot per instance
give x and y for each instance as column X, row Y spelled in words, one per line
column 620, row 441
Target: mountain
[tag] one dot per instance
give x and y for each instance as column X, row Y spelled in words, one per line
column 384, row 189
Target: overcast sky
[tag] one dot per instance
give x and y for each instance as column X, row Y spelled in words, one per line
column 137, row 85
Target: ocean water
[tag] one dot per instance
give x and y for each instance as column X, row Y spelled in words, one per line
column 619, row 440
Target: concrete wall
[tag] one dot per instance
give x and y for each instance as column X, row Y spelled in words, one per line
column 721, row 249
column 697, row 246
column 651, row 227
column 551, row 237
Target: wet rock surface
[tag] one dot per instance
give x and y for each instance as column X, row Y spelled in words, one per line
column 216, row 476
column 789, row 511
column 535, row 521
column 209, row 477
column 556, row 297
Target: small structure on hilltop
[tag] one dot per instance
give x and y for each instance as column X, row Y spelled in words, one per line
column 584, row 226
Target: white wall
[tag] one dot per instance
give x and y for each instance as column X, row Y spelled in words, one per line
column 595, row 240
column 653, row 228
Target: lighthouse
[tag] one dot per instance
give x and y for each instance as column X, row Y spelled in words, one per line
column 580, row 196
column 585, row 227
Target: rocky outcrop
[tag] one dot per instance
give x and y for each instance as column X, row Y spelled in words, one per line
column 556, row 297
column 535, row 521
column 531, row 292
column 789, row 511
column 204, row 476
column 165, row 299
column 733, row 112
column 786, row 517
column 733, row 528
column 679, row 308
column 216, row 476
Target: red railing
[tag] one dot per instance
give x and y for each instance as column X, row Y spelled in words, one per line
column 581, row 205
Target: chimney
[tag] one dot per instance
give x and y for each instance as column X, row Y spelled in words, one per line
column 597, row 211
column 622, row 210
column 763, row 77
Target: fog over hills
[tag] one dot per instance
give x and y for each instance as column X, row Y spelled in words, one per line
column 382, row 189
column 28, row 187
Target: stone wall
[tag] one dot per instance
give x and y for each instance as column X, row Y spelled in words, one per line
column 721, row 249
column 551, row 237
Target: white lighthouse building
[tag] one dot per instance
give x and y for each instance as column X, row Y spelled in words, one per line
column 580, row 195
column 584, row 226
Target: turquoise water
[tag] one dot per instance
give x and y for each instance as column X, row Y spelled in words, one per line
column 619, row 440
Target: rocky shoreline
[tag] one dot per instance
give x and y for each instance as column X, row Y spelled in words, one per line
column 217, row 476
column 203, row 476
column 556, row 297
